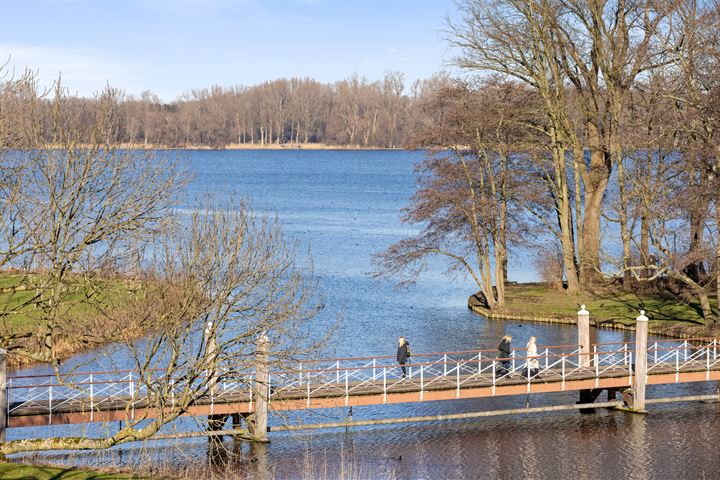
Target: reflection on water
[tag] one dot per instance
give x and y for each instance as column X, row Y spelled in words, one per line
column 345, row 206
column 678, row 441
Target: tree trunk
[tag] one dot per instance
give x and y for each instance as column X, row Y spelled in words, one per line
column 565, row 221
column 696, row 269
column 500, row 264
column 705, row 305
column 596, row 182
column 579, row 168
column 624, row 231
column 717, row 243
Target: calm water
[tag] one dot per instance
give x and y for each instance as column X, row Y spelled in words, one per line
column 344, row 206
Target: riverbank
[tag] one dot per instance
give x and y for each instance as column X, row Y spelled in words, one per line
column 609, row 308
column 21, row 471
column 84, row 320
column 240, row 146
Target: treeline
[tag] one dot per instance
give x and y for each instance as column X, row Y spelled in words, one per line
column 350, row 112
column 592, row 137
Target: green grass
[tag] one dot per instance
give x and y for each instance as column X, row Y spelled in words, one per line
column 18, row 317
column 604, row 305
column 19, row 471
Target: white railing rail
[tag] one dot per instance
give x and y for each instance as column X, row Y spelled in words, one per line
column 349, row 376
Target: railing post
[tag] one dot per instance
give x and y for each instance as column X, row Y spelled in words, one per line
column 445, row 365
column 262, row 389
column 583, row 323
column 308, row 390
column 347, row 390
column 707, row 358
column 596, row 358
column 626, row 356
column 384, row 384
column 374, row 365
column 655, row 351
column 132, row 396
column 92, row 409
column 457, row 379
column 641, row 334
column 3, row 395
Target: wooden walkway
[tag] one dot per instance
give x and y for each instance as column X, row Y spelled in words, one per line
column 373, row 381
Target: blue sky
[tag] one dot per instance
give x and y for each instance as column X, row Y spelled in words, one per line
column 173, row 46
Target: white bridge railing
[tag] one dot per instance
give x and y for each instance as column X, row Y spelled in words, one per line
column 97, row 391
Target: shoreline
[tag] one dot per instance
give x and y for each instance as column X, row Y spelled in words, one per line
column 609, row 325
column 245, row 146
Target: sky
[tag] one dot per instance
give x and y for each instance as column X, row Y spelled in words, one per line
column 174, row 46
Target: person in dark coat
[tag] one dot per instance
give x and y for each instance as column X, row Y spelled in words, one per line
column 504, row 350
column 403, row 353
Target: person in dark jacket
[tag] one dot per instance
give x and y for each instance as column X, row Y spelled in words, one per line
column 403, row 353
column 504, row 350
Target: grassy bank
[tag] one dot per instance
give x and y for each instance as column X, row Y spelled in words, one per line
column 608, row 307
column 22, row 297
column 19, row 471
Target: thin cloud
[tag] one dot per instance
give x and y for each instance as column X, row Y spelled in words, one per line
column 85, row 71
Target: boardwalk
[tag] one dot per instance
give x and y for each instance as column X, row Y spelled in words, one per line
column 107, row 396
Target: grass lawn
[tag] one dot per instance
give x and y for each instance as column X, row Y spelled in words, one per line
column 16, row 290
column 19, row 471
column 82, row 306
column 604, row 305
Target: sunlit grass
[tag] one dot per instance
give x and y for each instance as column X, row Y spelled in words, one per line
column 604, row 305
column 80, row 299
column 18, row 471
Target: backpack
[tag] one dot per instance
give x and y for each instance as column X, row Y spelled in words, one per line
column 409, row 353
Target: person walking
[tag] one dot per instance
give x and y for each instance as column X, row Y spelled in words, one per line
column 403, row 353
column 533, row 364
column 504, row 350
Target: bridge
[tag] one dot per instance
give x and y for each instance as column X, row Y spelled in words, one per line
column 82, row 397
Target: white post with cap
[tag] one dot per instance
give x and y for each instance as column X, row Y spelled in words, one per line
column 583, row 323
column 641, row 336
column 262, row 389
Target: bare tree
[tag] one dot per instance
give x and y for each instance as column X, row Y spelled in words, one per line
column 466, row 194
column 84, row 209
column 224, row 273
column 514, row 38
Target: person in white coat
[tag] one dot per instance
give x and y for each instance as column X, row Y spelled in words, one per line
column 533, row 364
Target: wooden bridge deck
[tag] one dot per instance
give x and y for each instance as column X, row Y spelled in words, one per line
column 371, row 392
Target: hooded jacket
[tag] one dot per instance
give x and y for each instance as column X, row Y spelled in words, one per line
column 402, row 352
column 504, row 349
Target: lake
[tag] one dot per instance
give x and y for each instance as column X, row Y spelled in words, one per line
column 343, row 207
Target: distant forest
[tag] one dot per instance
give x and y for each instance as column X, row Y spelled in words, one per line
column 350, row 112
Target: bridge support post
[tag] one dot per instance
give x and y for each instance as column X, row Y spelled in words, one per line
column 3, row 395
column 641, row 335
column 583, row 323
column 258, row 428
